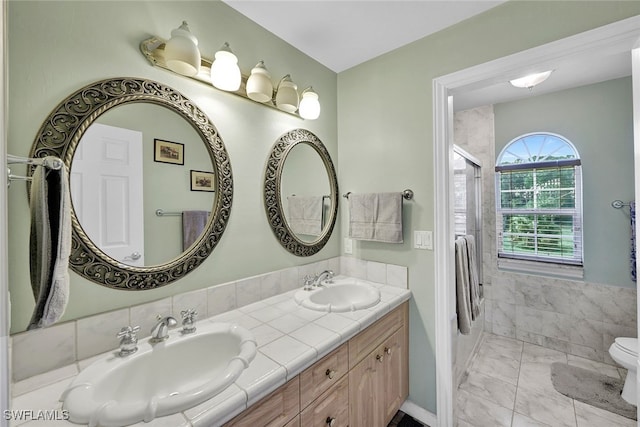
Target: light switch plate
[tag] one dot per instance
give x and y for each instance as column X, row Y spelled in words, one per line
column 348, row 245
column 423, row 239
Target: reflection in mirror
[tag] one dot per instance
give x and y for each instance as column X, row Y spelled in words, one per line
column 301, row 192
column 305, row 194
column 118, row 182
column 189, row 173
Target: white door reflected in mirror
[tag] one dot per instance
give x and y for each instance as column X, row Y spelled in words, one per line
column 107, row 191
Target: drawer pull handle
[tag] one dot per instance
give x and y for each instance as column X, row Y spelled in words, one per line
column 379, row 358
column 387, row 350
column 330, row 373
column 331, row 421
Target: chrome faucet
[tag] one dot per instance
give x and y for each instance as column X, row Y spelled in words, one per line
column 160, row 332
column 327, row 275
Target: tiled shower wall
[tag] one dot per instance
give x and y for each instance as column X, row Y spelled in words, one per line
column 572, row 316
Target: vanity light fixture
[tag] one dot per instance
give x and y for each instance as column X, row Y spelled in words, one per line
column 225, row 73
column 531, row 80
column 309, row 104
column 259, row 85
column 287, row 95
column 181, row 52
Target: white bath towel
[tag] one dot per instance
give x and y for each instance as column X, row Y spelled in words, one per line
column 474, row 282
column 50, row 245
column 305, row 214
column 376, row 217
column 463, row 305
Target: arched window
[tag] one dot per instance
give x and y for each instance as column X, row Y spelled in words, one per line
column 539, row 200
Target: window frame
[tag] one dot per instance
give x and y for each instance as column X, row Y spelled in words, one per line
column 546, row 264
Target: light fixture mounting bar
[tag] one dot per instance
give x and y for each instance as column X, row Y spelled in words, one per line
column 153, row 49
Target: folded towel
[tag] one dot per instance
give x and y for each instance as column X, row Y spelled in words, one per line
column 463, row 300
column 474, row 281
column 193, row 224
column 305, row 214
column 376, row 217
column 50, row 245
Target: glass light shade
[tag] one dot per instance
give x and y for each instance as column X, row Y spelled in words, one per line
column 181, row 52
column 531, row 80
column 309, row 105
column 287, row 95
column 225, row 73
column 259, row 85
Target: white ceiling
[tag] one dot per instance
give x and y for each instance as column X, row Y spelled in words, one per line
column 341, row 34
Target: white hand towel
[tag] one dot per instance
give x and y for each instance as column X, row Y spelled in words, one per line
column 376, row 217
column 305, row 214
column 50, row 245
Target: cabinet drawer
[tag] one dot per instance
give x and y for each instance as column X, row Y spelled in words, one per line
column 367, row 341
column 275, row 410
column 323, row 374
column 330, row 409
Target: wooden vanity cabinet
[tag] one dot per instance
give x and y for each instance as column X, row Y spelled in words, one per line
column 275, row 410
column 379, row 381
column 362, row 383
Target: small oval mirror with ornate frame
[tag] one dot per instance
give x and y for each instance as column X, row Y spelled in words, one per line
column 60, row 136
column 301, row 192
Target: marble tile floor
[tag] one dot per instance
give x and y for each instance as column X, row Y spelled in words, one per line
column 509, row 384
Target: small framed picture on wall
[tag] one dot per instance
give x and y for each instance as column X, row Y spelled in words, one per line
column 203, row 181
column 168, row 152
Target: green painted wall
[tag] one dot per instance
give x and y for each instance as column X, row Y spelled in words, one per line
column 385, row 131
column 58, row 47
column 597, row 119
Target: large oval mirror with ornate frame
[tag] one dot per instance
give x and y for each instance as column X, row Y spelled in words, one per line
column 301, row 192
column 60, row 136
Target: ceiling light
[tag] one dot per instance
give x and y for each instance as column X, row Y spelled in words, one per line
column 287, row 95
column 225, row 73
column 531, row 80
column 181, row 51
column 309, row 104
column 259, row 85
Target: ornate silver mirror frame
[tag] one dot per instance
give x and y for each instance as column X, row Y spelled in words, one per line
column 62, row 131
column 273, row 192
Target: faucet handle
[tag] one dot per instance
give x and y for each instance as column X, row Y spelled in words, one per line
column 128, row 332
column 128, row 340
column 188, row 320
column 308, row 282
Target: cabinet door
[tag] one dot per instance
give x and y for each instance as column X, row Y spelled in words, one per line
column 395, row 373
column 331, row 409
column 365, row 391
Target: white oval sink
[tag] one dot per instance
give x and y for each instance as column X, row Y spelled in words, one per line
column 344, row 295
column 160, row 379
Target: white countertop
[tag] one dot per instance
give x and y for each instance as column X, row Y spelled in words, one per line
column 290, row 338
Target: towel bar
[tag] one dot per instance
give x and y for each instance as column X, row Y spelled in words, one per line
column 406, row 194
column 619, row 204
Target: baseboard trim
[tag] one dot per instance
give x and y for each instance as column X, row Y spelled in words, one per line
column 419, row 413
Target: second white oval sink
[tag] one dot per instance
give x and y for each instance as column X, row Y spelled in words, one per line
column 345, row 295
column 160, row 379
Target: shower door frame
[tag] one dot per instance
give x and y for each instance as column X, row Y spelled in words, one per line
column 624, row 31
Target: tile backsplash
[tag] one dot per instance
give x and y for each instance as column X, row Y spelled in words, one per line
column 70, row 342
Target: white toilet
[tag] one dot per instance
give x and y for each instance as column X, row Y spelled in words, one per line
column 624, row 351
